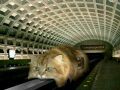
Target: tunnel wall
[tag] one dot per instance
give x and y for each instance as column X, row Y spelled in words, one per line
column 108, row 47
column 108, row 52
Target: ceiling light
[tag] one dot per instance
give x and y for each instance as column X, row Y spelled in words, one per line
column 39, row 1
column 37, row 10
column 14, row 14
column 54, row 5
column 23, row 27
column 30, row 5
column 29, row 13
column 22, row 18
column 46, row 7
column 12, row 3
column 7, row 21
column 35, row 17
column 21, row 9
column 30, row 29
column 3, row 9
column 29, row 21
column 16, row 24
column 36, row 24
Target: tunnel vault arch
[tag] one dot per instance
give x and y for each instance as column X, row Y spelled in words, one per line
column 94, row 42
column 39, row 25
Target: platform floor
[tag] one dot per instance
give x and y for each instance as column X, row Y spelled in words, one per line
column 105, row 76
column 108, row 76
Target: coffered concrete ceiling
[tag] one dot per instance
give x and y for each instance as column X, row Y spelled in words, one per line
column 47, row 23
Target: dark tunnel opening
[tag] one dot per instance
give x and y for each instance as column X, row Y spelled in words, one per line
column 95, row 56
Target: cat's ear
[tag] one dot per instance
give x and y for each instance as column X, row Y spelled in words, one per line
column 59, row 58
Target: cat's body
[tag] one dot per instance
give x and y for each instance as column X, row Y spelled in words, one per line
column 60, row 63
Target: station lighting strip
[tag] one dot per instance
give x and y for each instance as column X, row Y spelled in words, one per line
column 50, row 23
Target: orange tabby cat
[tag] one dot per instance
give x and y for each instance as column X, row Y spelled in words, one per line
column 60, row 63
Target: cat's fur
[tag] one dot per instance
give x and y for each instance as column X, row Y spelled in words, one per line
column 60, row 63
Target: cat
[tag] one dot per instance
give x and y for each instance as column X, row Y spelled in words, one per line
column 61, row 63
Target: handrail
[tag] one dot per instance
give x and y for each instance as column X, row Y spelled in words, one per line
column 34, row 84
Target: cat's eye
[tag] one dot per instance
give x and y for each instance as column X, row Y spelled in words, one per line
column 49, row 69
column 78, row 58
column 36, row 68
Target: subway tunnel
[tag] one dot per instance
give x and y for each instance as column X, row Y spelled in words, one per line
column 31, row 28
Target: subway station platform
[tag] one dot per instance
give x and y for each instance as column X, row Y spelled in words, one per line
column 105, row 76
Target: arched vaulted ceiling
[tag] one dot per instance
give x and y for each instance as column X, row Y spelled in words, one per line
column 47, row 23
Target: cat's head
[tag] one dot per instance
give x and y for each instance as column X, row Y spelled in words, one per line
column 52, row 67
